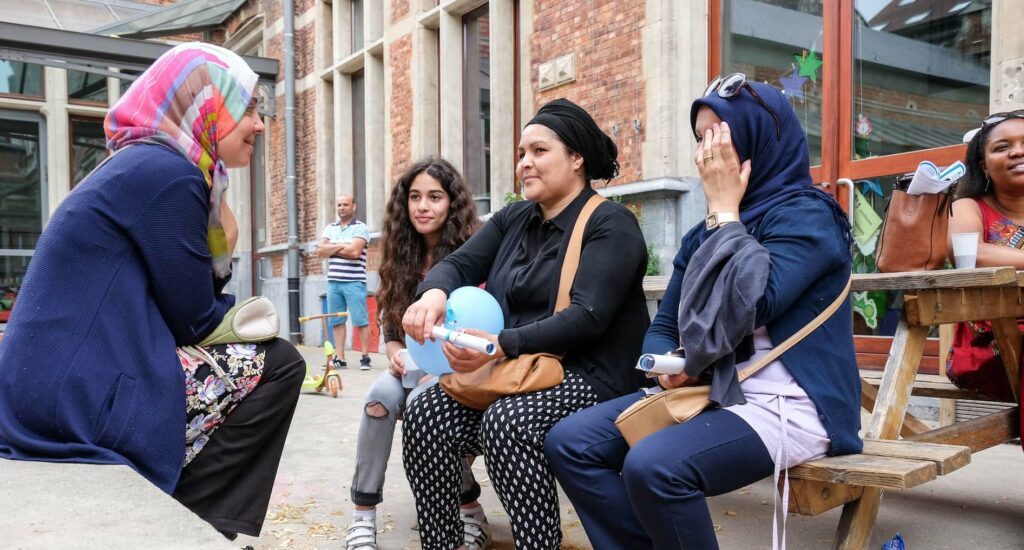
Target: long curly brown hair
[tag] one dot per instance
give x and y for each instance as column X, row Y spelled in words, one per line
column 403, row 249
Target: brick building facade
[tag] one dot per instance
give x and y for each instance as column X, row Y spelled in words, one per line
column 380, row 83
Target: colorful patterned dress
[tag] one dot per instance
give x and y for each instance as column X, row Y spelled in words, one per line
column 208, row 395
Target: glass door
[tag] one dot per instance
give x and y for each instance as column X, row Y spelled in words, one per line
column 918, row 78
column 23, row 207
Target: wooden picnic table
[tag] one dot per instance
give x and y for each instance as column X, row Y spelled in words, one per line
column 931, row 298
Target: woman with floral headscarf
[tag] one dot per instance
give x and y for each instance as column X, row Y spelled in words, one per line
column 132, row 266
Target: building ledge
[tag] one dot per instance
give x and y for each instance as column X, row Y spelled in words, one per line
column 668, row 186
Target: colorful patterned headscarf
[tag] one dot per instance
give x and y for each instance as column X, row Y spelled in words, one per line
column 189, row 99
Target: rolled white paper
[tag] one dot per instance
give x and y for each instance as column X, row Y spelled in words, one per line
column 464, row 340
column 661, row 364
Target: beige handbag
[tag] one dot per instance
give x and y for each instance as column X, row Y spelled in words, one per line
column 529, row 372
column 253, row 320
column 675, row 406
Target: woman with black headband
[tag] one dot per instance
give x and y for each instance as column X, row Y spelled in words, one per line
column 518, row 254
column 772, row 255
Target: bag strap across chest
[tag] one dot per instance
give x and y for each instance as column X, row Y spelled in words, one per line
column 571, row 262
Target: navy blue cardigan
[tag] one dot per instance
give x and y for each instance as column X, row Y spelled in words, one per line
column 810, row 264
column 120, row 276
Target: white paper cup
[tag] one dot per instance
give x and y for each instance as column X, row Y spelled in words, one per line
column 965, row 249
column 412, row 370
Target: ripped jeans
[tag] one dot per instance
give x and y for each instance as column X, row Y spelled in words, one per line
column 385, row 402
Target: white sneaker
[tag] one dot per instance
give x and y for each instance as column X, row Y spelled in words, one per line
column 476, row 532
column 362, row 535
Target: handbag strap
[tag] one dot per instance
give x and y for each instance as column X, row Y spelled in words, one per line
column 799, row 335
column 571, row 262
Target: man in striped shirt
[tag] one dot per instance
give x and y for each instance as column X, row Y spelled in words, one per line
column 344, row 244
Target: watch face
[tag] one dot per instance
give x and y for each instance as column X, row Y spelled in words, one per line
column 711, row 221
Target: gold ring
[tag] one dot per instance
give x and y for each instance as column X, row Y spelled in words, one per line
column 708, row 157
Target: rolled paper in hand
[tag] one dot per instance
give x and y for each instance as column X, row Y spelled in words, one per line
column 464, row 340
column 661, row 364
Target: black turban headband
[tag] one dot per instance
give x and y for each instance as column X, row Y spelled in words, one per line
column 580, row 133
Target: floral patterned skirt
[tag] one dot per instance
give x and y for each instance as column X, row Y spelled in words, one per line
column 213, row 390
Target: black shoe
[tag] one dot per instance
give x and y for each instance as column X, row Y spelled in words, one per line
column 364, row 363
column 339, row 364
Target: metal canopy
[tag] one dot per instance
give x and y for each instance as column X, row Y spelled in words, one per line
column 103, row 54
column 178, row 18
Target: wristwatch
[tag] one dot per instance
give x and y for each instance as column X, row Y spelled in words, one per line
column 716, row 219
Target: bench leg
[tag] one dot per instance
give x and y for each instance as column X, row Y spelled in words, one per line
column 858, row 519
column 1008, row 336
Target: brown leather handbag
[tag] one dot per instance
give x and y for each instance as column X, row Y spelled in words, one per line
column 675, row 406
column 914, row 234
column 529, row 372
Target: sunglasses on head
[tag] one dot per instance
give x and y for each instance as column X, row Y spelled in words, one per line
column 992, row 120
column 730, row 86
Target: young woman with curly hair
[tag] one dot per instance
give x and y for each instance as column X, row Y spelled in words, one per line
column 429, row 215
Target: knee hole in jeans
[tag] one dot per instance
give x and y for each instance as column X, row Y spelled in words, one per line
column 376, row 409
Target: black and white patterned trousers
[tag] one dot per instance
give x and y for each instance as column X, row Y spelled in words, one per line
column 439, row 431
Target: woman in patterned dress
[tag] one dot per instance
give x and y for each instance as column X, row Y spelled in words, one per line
column 990, row 202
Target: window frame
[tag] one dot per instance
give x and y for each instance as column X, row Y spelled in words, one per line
column 836, row 111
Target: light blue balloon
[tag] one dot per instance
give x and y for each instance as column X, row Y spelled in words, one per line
column 474, row 307
column 428, row 357
column 468, row 307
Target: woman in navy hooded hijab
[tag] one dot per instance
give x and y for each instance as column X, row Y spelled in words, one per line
column 772, row 254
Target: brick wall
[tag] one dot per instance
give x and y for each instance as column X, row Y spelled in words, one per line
column 400, row 104
column 605, row 36
column 399, row 9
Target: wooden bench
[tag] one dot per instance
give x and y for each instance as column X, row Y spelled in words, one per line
column 856, row 482
column 820, row 485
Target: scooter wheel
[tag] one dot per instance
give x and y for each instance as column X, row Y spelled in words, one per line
column 334, row 385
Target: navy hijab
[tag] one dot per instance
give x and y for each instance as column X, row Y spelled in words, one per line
column 780, row 167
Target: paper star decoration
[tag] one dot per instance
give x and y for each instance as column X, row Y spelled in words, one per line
column 873, row 186
column 809, row 64
column 793, row 85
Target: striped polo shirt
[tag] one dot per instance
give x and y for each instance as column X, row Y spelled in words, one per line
column 343, row 269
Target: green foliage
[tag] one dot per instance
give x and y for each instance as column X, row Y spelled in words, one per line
column 653, row 261
column 512, row 197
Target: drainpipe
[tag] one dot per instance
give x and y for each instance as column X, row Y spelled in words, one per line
column 294, row 309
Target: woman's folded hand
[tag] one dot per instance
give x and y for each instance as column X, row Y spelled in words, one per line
column 670, row 381
column 467, row 360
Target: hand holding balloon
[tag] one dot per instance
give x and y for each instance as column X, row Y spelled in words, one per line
column 470, row 310
column 469, row 360
column 464, row 339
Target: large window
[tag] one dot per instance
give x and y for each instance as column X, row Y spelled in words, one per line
column 87, row 87
column 779, row 42
column 476, row 82
column 356, row 14
column 878, row 85
column 21, row 200
column 17, row 78
column 359, row 142
column 88, row 146
column 920, row 74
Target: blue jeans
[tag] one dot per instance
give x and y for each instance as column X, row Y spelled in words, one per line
column 653, row 495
